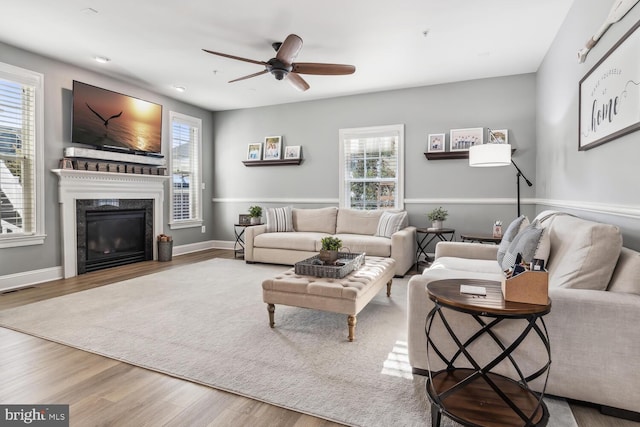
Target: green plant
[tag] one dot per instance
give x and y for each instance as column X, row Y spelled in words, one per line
column 331, row 243
column 255, row 211
column 438, row 214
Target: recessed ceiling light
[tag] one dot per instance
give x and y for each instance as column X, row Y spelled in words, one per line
column 102, row 59
column 180, row 88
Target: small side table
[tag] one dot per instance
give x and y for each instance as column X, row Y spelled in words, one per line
column 480, row 238
column 238, row 232
column 470, row 393
column 435, row 233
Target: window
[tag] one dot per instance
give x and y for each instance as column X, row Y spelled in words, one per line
column 186, row 167
column 21, row 153
column 372, row 167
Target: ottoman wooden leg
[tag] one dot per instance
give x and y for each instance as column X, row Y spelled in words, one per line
column 272, row 309
column 351, row 321
column 389, row 287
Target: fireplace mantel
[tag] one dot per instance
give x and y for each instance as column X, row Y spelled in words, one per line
column 89, row 185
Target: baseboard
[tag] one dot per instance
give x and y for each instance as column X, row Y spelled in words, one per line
column 202, row 246
column 28, row 278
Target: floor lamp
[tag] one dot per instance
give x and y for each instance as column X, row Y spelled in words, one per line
column 492, row 155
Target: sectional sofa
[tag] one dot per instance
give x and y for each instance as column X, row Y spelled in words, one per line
column 360, row 231
column 594, row 286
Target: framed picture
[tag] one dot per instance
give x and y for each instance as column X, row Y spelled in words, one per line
column 463, row 139
column 244, row 219
column 255, row 151
column 272, row 148
column 435, row 142
column 609, row 94
column 499, row 136
column 292, row 152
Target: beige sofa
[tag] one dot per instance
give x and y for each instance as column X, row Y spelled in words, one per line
column 356, row 228
column 594, row 323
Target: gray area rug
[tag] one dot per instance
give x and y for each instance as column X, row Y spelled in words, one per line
column 207, row 323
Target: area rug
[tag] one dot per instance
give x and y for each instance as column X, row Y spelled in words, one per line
column 206, row 323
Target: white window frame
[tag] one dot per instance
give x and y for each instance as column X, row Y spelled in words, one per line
column 365, row 132
column 197, row 180
column 28, row 77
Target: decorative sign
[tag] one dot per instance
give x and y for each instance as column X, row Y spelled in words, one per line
column 610, row 94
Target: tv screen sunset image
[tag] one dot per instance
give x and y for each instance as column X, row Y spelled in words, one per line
column 105, row 118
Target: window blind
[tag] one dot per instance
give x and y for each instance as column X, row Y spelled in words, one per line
column 185, row 164
column 371, row 169
column 17, row 157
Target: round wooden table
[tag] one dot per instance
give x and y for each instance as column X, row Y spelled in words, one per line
column 475, row 395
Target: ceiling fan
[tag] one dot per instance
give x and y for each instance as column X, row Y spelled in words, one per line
column 283, row 67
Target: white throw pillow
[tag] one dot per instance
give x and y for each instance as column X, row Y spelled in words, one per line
column 391, row 222
column 279, row 219
column 510, row 233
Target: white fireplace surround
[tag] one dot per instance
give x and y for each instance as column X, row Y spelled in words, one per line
column 87, row 185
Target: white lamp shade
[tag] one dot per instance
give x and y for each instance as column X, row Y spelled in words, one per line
column 490, row 155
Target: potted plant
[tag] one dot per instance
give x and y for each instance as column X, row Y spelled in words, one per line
column 255, row 212
column 437, row 216
column 330, row 248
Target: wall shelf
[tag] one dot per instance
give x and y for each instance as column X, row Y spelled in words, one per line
column 447, row 155
column 283, row 162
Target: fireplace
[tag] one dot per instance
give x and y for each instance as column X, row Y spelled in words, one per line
column 105, row 191
column 113, row 232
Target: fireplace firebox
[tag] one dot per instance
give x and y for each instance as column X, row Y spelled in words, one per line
column 113, row 233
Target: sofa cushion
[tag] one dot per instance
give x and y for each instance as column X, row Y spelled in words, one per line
column 391, row 222
column 526, row 243
column 354, row 221
column 583, row 253
column 279, row 219
column 626, row 276
column 371, row 245
column 321, row 220
column 303, row 241
column 510, row 233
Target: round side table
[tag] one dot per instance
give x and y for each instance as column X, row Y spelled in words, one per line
column 475, row 395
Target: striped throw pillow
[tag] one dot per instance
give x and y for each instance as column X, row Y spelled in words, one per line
column 391, row 222
column 279, row 219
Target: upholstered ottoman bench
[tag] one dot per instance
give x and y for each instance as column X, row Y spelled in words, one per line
column 348, row 295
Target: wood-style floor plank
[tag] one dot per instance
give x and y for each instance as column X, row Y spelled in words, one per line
column 106, row 392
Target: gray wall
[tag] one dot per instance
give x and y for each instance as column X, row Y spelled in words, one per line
column 473, row 196
column 601, row 183
column 58, row 79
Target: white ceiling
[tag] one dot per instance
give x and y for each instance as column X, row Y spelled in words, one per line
column 157, row 43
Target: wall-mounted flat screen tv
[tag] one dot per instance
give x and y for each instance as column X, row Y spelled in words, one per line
column 111, row 120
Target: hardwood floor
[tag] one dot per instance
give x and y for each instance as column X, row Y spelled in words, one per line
column 106, row 392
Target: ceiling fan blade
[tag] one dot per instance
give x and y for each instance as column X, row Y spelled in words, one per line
column 298, row 82
column 259, row 73
column 236, row 57
column 322, row 69
column 289, row 49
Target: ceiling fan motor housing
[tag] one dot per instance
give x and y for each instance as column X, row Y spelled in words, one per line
column 278, row 68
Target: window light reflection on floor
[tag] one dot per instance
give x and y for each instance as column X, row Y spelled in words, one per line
column 397, row 363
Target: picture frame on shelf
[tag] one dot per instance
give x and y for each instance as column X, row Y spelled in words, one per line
column 254, row 151
column 244, row 219
column 436, row 143
column 499, row 136
column 463, row 139
column 609, row 95
column 272, row 148
column 292, row 152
